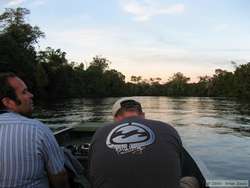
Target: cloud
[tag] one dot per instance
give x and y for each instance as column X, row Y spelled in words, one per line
column 37, row 3
column 33, row 3
column 113, row 42
column 110, row 42
column 133, row 53
column 145, row 10
column 15, row 2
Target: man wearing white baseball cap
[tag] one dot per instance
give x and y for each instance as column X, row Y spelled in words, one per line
column 136, row 152
column 129, row 105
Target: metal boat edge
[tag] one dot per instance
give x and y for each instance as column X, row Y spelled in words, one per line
column 194, row 163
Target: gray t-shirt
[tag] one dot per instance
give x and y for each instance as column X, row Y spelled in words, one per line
column 135, row 153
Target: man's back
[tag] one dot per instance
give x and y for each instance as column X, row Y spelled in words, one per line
column 25, row 148
column 136, row 153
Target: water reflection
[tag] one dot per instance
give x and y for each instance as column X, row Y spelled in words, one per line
column 98, row 109
column 210, row 112
column 217, row 129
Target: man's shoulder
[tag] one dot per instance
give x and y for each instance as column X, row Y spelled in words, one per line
column 158, row 126
column 159, row 123
column 103, row 131
column 148, row 122
column 15, row 118
column 104, row 128
column 154, row 123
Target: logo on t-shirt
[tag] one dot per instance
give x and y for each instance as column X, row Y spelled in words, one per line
column 130, row 138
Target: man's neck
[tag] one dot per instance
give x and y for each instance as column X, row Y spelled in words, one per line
column 129, row 116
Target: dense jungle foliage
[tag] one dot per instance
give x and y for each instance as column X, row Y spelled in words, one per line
column 50, row 75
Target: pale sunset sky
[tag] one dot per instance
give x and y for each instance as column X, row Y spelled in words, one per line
column 150, row 38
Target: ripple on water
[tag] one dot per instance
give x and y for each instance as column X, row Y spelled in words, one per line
column 217, row 130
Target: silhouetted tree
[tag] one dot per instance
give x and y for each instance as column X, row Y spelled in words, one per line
column 242, row 81
column 177, row 85
column 222, row 84
column 49, row 73
column 17, row 40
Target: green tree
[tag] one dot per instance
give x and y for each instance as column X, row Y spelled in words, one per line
column 222, row 84
column 60, row 73
column 114, row 82
column 242, row 81
column 202, row 88
column 17, row 40
column 136, row 79
column 177, row 85
column 41, row 81
column 95, row 80
column 99, row 64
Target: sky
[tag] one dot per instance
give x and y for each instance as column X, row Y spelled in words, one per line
column 148, row 38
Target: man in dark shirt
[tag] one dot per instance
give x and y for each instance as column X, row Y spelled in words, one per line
column 135, row 152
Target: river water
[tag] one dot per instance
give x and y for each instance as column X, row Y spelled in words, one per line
column 216, row 130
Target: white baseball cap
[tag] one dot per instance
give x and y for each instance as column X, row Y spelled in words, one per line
column 125, row 102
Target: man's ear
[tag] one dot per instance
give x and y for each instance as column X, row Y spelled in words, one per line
column 143, row 114
column 8, row 103
column 118, row 118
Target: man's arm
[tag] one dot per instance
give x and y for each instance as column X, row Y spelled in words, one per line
column 53, row 158
column 59, row 180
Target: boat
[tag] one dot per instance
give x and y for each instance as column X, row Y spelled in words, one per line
column 78, row 138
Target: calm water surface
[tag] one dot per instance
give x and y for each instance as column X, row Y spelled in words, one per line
column 217, row 130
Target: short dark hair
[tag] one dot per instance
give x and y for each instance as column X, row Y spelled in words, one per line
column 129, row 106
column 6, row 90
